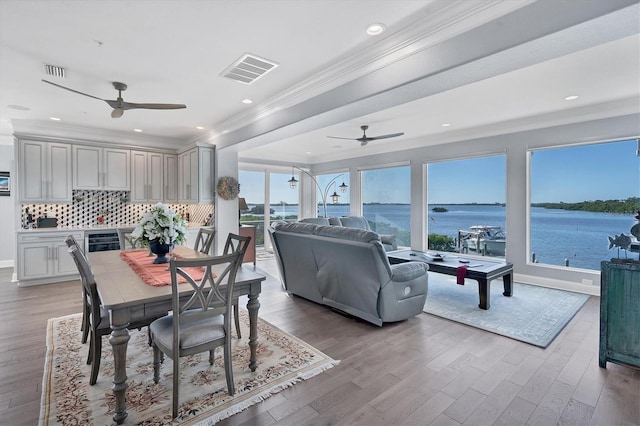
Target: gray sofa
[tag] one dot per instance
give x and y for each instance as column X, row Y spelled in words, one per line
column 389, row 242
column 347, row 269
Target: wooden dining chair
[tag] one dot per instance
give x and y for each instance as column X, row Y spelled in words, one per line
column 236, row 244
column 98, row 323
column 201, row 323
column 86, row 309
column 125, row 240
column 204, row 239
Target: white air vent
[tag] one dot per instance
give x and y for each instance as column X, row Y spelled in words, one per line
column 248, row 68
column 54, row 70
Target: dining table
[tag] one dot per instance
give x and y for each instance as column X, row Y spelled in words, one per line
column 128, row 299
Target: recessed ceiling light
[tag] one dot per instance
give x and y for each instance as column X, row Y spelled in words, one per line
column 446, row 124
column 308, row 152
column 571, row 98
column 55, row 118
column 376, row 29
column 137, row 130
column 199, row 127
column 247, row 101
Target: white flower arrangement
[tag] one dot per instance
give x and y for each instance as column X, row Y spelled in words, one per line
column 160, row 223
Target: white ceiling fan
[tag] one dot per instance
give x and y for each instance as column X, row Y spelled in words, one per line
column 365, row 139
column 119, row 105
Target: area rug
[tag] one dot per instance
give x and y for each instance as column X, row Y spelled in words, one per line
column 535, row 315
column 67, row 397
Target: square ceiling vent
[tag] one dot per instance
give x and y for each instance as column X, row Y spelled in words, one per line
column 249, row 68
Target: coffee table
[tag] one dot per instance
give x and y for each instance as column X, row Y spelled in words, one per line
column 481, row 270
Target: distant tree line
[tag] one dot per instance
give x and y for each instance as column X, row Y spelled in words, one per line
column 630, row 205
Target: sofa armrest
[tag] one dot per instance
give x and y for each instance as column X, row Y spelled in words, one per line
column 391, row 240
column 408, row 271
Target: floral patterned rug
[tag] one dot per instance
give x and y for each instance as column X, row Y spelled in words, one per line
column 67, row 397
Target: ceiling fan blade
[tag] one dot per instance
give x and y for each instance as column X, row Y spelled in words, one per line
column 117, row 113
column 129, row 105
column 71, row 90
column 391, row 135
column 120, row 104
column 348, row 139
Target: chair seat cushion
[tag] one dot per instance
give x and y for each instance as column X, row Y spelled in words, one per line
column 194, row 331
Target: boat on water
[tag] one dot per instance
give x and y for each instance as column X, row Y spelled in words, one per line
column 482, row 239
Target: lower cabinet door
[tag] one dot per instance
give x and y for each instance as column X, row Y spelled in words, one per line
column 35, row 261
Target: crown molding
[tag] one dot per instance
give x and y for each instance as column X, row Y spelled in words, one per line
column 78, row 133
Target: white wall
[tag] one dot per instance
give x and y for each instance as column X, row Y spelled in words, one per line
column 7, row 206
column 226, row 211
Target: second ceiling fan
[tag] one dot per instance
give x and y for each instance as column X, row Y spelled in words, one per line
column 365, row 139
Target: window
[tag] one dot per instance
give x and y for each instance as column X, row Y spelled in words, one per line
column 330, row 184
column 466, row 206
column 283, row 201
column 252, row 185
column 579, row 196
column 386, row 201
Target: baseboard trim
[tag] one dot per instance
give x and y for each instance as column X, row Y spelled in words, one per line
column 593, row 290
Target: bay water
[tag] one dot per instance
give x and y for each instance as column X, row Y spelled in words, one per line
column 557, row 236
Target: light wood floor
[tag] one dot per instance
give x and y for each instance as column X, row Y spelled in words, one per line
column 422, row 371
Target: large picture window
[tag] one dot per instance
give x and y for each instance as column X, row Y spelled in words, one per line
column 386, row 201
column 466, row 208
column 580, row 196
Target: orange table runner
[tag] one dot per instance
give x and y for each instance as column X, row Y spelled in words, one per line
column 155, row 274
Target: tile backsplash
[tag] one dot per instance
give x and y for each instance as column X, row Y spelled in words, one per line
column 113, row 206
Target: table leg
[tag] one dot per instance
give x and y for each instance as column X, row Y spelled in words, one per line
column 483, row 290
column 252, row 306
column 119, row 339
column 508, row 285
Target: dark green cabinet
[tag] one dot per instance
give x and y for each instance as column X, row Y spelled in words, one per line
column 620, row 313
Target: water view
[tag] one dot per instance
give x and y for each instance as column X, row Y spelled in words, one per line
column 557, row 236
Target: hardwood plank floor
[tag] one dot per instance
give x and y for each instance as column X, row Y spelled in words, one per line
column 422, row 371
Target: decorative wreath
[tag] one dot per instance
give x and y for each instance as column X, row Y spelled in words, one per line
column 228, row 188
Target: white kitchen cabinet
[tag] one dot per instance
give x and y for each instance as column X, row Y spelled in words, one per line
column 196, row 175
column 44, row 172
column 147, row 177
column 170, row 178
column 43, row 257
column 98, row 168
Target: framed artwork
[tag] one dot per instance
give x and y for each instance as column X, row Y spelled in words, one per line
column 5, row 184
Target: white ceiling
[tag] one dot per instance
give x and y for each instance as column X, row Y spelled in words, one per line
column 174, row 51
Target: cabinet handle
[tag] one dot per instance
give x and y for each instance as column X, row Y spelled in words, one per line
column 48, row 253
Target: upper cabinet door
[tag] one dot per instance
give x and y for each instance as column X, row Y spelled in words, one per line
column 44, row 172
column 87, row 172
column 32, row 171
column 59, row 187
column 116, row 169
column 170, row 178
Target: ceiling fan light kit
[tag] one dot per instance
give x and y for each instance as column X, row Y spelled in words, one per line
column 119, row 105
column 365, row 139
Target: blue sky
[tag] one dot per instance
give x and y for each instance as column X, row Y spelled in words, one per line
column 571, row 174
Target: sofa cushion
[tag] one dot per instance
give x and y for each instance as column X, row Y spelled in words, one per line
column 335, row 221
column 355, row 222
column 352, row 234
column 316, row 220
column 297, row 227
